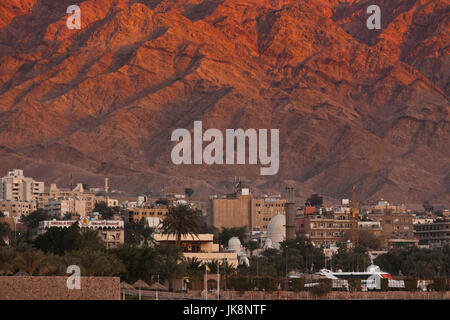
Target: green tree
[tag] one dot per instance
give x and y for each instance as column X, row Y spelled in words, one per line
column 415, row 262
column 252, row 246
column 181, row 221
column 7, row 258
column 133, row 233
column 351, row 259
column 227, row 233
column 90, row 240
column 147, row 236
column 33, row 219
column 32, row 261
column 140, row 263
column 314, row 200
column 168, row 263
column 103, row 209
column 5, row 231
column 98, row 263
column 189, row 192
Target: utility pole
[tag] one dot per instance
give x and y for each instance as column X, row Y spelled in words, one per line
column 157, row 289
column 218, row 281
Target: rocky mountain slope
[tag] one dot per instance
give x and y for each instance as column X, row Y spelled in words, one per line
column 354, row 106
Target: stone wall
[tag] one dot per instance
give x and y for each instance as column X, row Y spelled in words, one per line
column 55, row 288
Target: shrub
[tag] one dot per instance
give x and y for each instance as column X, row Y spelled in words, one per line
column 269, row 284
column 411, row 284
column 354, row 285
column 440, row 284
column 384, row 284
column 325, row 286
column 240, row 283
column 298, row 284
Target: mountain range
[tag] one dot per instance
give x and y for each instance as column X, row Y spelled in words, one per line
column 354, row 106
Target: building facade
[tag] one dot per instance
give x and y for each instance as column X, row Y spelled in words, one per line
column 436, row 233
column 138, row 214
column 244, row 209
column 15, row 186
column 17, row 208
column 110, row 231
column 201, row 247
column 324, row 230
column 85, row 201
column 394, row 225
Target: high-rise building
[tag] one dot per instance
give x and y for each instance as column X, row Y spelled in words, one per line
column 15, row 186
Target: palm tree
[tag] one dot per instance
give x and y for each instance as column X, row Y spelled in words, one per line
column 91, row 239
column 181, row 221
column 33, row 261
column 7, row 257
column 98, row 263
column 147, row 236
column 251, row 246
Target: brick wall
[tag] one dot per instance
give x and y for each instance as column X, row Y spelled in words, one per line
column 55, row 288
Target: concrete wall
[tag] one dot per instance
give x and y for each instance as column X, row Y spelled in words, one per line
column 55, row 288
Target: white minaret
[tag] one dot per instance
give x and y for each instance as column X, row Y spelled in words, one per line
column 106, row 185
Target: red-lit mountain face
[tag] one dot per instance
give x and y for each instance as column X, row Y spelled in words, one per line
column 353, row 105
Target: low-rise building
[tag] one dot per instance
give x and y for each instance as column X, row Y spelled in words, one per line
column 110, row 231
column 436, row 233
column 201, row 247
column 138, row 214
column 243, row 209
column 78, row 192
column 62, row 206
column 374, row 227
column 326, row 229
column 17, row 208
column 394, row 225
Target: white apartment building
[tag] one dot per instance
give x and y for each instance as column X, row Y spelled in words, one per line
column 15, row 186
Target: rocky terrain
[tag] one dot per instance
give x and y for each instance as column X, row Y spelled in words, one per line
column 354, row 106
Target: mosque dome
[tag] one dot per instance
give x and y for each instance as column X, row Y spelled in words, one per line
column 373, row 268
column 276, row 230
column 234, row 244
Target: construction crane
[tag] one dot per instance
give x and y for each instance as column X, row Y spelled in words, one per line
column 354, row 218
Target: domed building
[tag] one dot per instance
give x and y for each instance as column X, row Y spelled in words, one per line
column 234, row 244
column 276, row 232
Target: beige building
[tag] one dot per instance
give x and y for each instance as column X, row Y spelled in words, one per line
column 137, row 214
column 326, row 229
column 244, row 209
column 17, row 208
column 201, row 247
column 110, row 231
column 15, row 186
column 436, row 233
column 60, row 207
column 374, row 227
column 394, row 225
column 55, row 194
